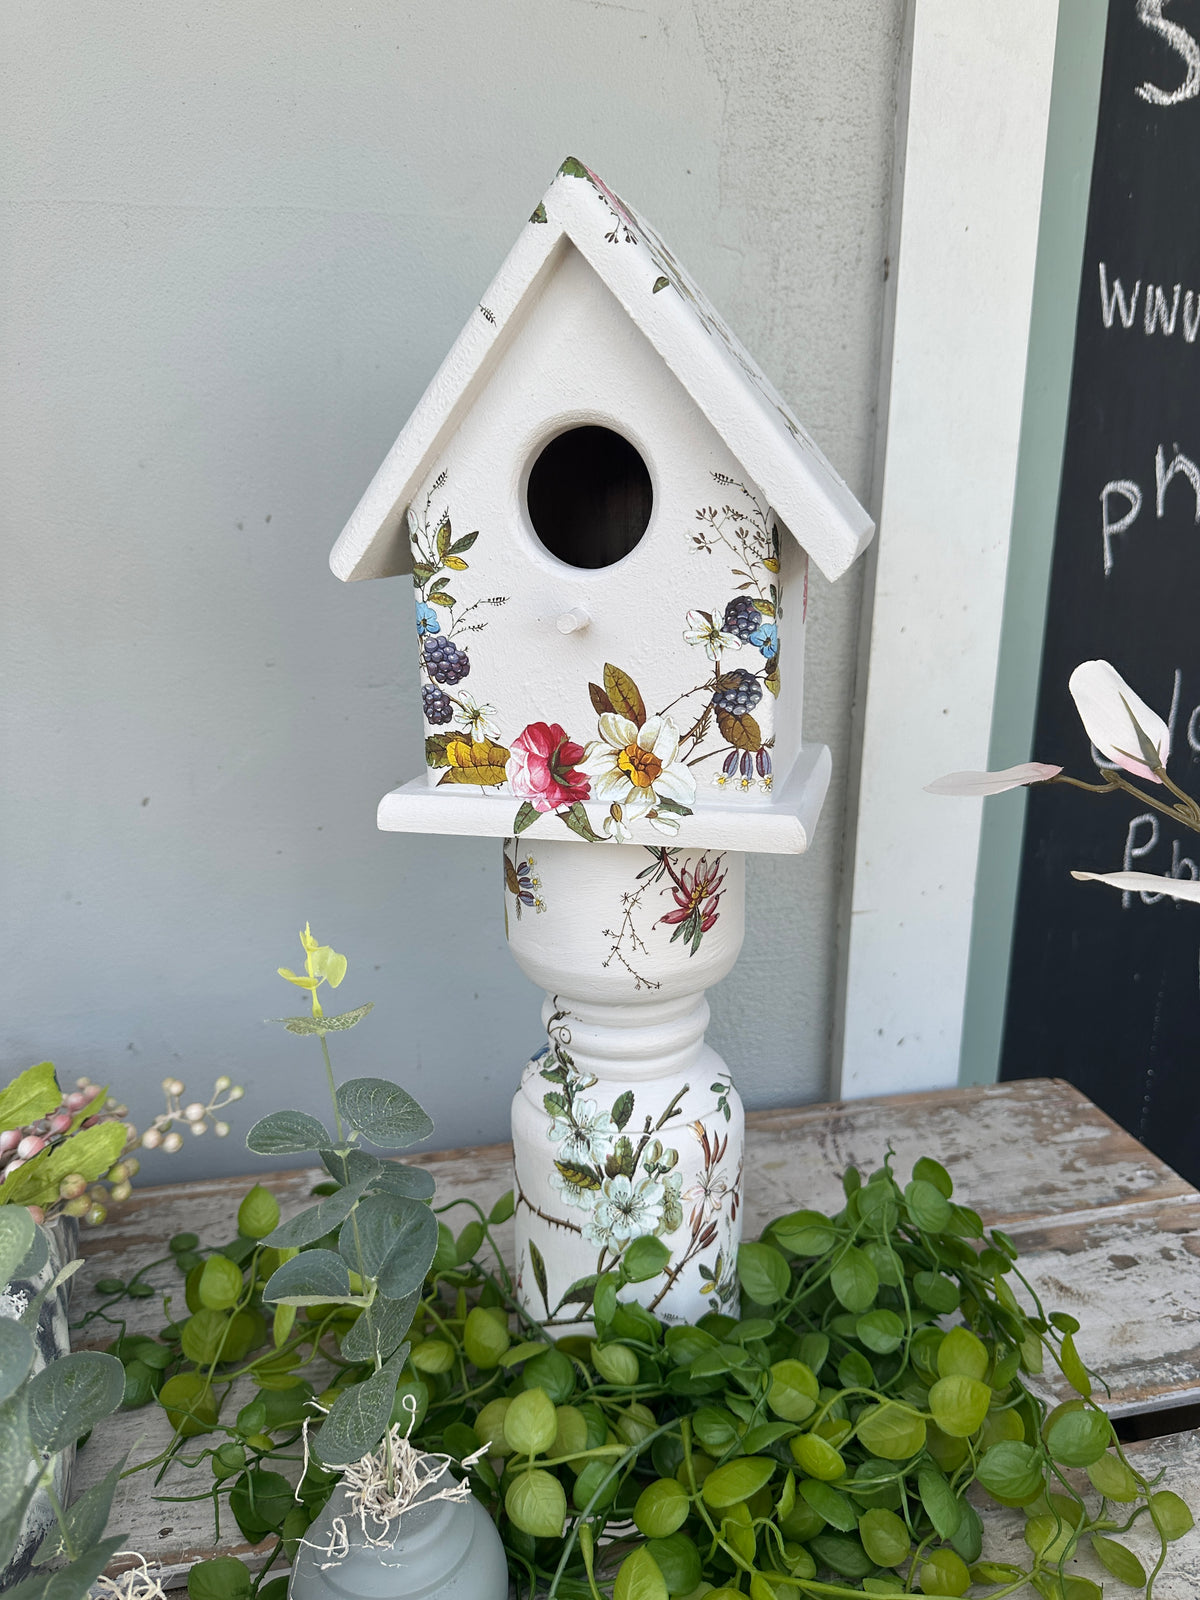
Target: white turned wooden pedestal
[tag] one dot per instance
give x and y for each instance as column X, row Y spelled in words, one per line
column 626, row 1122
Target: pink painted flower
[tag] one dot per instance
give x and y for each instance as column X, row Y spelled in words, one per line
column 541, row 767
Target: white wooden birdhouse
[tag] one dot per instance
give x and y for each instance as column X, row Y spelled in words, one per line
column 608, row 514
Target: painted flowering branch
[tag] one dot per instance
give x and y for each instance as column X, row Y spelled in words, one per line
column 1128, row 737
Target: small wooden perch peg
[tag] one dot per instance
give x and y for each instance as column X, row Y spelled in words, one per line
column 573, row 621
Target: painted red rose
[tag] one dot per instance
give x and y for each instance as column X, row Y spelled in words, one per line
column 541, row 767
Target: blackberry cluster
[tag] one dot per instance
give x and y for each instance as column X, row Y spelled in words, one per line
column 742, row 617
column 445, row 662
column 438, row 707
column 740, row 695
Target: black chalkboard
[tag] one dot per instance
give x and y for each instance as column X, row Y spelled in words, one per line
column 1104, row 989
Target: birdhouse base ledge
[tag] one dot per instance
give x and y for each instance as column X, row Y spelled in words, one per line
column 781, row 824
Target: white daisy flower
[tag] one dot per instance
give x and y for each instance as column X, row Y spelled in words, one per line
column 475, row 718
column 701, row 629
column 638, row 767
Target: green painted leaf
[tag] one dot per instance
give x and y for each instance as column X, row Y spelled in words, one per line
column 623, row 694
column 539, row 1273
column 527, row 815
column 383, row 1112
column 660, row 283
column 70, row 1395
column 742, row 732
column 286, row 1133
column 576, row 818
column 622, row 1108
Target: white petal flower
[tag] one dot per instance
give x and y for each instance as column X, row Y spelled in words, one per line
column 1112, row 714
column 979, row 783
column 637, row 767
column 476, row 718
column 584, row 1131
column 664, row 822
column 702, row 630
column 1145, row 883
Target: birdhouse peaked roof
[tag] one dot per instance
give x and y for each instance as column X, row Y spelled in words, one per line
column 728, row 387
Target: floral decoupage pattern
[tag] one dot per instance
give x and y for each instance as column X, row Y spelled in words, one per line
column 618, row 1176
column 640, row 762
column 469, row 753
column 694, row 884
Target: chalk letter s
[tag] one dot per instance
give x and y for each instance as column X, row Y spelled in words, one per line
column 1150, row 15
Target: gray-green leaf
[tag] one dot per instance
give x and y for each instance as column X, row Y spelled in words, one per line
column 309, row 1279
column 320, row 1219
column 286, row 1133
column 87, row 1518
column 383, row 1112
column 395, row 1177
column 398, row 1239
column 359, row 1415
column 17, row 1230
column 380, row 1328
column 16, row 1355
column 69, row 1583
column 71, row 1395
column 323, row 1025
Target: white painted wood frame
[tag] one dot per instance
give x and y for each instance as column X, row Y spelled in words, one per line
column 973, row 158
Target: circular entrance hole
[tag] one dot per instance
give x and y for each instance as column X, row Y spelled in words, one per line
column 589, row 497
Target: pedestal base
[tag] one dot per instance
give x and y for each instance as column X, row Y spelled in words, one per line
column 627, row 1124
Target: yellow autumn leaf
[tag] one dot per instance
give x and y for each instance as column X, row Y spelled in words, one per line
column 455, row 563
column 479, row 762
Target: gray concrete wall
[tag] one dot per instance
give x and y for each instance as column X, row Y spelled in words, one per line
column 239, row 239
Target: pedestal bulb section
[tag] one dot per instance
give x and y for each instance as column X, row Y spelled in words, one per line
column 626, row 1124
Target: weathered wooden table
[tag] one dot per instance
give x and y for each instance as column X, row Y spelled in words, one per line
column 1105, row 1231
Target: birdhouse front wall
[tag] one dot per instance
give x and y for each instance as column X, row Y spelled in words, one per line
column 663, row 682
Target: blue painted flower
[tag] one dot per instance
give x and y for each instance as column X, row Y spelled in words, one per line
column 427, row 619
column 766, row 639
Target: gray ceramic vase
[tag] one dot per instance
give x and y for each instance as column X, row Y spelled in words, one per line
column 443, row 1550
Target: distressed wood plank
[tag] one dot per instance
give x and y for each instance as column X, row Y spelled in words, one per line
column 1030, row 1148
column 1132, row 1278
column 1091, row 1210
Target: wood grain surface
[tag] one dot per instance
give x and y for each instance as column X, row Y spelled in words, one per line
column 1105, row 1230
